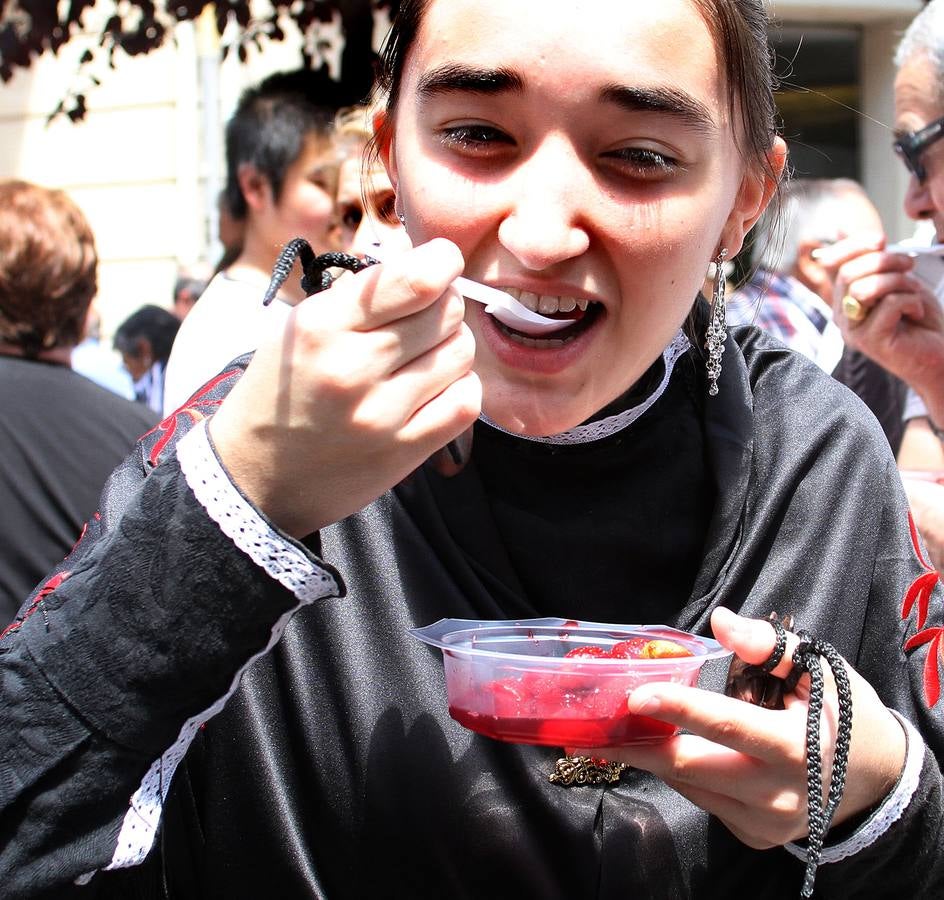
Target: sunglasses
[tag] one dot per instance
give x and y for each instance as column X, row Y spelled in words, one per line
column 912, row 144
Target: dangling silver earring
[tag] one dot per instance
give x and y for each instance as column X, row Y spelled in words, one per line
column 402, row 219
column 717, row 327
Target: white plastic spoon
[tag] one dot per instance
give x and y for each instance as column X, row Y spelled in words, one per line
column 498, row 303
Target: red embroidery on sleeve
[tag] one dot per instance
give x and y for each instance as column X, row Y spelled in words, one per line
column 195, row 409
column 919, row 593
column 44, row 592
column 932, row 675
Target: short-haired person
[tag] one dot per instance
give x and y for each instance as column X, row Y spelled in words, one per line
column 144, row 341
column 884, row 309
column 790, row 292
column 60, row 433
column 248, row 713
column 281, row 176
column 189, row 285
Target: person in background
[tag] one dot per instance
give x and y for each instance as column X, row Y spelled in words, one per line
column 790, row 292
column 101, row 364
column 190, row 284
column 60, row 433
column 365, row 205
column 144, row 340
column 230, row 231
column 281, row 180
column 883, row 308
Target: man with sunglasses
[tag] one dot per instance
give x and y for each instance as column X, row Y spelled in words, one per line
column 882, row 307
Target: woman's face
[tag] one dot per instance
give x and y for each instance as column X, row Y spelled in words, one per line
column 573, row 150
column 362, row 228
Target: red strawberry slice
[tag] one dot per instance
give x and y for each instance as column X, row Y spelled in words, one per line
column 631, row 649
column 591, row 652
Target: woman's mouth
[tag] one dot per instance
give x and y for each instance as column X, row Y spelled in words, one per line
column 584, row 311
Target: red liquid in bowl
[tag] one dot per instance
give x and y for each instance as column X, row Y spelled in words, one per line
column 577, row 707
column 615, row 731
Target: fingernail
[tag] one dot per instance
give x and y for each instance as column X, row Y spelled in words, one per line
column 737, row 625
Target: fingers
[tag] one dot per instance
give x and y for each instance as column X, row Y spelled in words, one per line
column 395, row 345
column 835, row 255
column 446, row 415
column 385, row 293
column 395, row 400
column 747, row 794
column 871, row 289
column 862, row 267
column 722, row 720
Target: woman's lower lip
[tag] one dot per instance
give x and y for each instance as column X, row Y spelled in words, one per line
column 541, row 358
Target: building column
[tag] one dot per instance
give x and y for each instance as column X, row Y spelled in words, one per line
column 883, row 176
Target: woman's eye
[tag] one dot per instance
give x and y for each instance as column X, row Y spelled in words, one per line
column 351, row 217
column 644, row 162
column 474, row 138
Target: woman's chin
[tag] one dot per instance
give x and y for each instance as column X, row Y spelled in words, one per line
column 534, row 422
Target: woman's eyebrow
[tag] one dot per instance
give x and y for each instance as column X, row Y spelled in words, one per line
column 457, row 77
column 662, row 100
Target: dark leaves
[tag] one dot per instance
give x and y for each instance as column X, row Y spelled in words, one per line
column 30, row 28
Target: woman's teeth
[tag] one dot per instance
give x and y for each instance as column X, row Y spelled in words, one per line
column 545, row 304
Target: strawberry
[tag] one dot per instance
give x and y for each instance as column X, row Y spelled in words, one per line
column 591, row 652
column 631, row 649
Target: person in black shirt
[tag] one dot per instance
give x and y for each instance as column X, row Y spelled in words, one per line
column 60, row 434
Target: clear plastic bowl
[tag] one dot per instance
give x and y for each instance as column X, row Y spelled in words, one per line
column 511, row 680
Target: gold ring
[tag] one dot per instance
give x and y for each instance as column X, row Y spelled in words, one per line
column 853, row 310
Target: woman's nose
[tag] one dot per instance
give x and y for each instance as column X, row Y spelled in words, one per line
column 544, row 225
column 919, row 204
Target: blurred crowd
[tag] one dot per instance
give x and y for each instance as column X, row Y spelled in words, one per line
column 71, row 403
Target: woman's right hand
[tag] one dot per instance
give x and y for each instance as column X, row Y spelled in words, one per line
column 366, row 380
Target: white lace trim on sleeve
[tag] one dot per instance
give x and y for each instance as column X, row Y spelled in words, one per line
column 282, row 560
column 888, row 813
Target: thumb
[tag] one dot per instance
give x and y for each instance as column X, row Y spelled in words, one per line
column 753, row 640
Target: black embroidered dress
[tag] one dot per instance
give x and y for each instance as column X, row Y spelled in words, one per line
column 334, row 769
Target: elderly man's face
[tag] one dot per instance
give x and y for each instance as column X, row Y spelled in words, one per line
column 918, row 102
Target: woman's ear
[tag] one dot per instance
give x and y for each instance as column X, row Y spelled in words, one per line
column 255, row 187
column 383, row 135
column 756, row 190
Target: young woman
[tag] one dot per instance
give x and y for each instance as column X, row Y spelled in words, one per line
column 595, row 158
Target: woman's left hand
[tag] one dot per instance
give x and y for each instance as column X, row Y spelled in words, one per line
column 747, row 765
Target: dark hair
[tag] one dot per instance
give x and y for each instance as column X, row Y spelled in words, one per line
column 153, row 323
column 270, row 125
column 739, row 28
column 48, row 268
